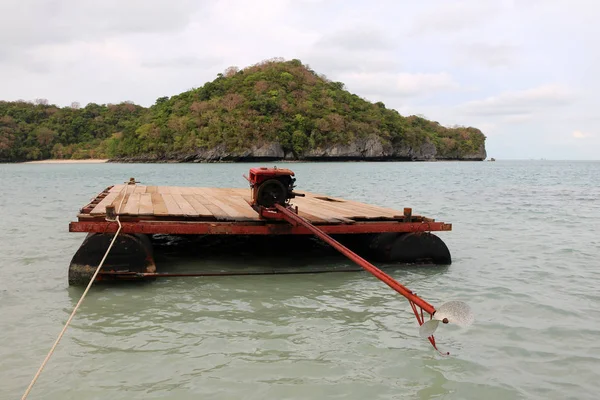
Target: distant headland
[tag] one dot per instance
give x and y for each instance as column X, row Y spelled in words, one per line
column 274, row 110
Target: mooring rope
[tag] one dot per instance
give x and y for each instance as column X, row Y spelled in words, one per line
column 37, row 375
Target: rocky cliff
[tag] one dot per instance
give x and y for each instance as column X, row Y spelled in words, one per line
column 368, row 149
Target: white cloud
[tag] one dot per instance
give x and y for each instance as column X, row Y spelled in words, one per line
column 455, row 16
column 525, row 70
column 582, row 135
column 357, row 38
column 181, row 62
column 342, row 61
column 487, row 54
column 400, row 84
column 521, row 102
column 31, row 22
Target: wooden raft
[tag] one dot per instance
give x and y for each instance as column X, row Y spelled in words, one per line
column 227, row 204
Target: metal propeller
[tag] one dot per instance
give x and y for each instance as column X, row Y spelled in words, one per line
column 452, row 312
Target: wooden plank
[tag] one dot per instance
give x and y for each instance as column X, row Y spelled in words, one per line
column 200, row 208
column 243, row 193
column 170, row 189
column 372, row 207
column 172, row 206
column 121, row 199
column 216, row 211
column 146, row 207
column 158, row 205
column 113, row 198
column 120, row 202
column 230, row 204
column 186, row 208
column 116, row 188
column 101, row 207
column 239, row 202
column 336, row 204
column 312, row 218
column 384, row 212
column 222, row 199
column 214, row 197
column 318, row 212
column 131, row 204
column 322, row 205
column 186, row 190
column 358, row 209
column 339, row 209
column 242, row 206
column 315, row 209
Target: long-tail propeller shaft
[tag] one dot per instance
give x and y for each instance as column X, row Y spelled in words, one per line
column 455, row 312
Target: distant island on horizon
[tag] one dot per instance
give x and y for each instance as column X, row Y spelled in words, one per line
column 275, row 110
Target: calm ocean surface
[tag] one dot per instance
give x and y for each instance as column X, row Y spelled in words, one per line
column 525, row 246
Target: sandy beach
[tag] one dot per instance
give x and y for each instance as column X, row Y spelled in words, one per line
column 89, row 161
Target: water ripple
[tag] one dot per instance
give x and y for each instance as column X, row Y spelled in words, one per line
column 522, row 258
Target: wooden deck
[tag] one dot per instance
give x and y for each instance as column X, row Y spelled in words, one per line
column 225, row 204
column 225, row 211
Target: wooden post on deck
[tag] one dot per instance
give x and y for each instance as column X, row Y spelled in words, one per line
column 111, row 214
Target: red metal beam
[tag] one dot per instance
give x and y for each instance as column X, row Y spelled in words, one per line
column 292, row 217
column 240, row 228
column 415, row 301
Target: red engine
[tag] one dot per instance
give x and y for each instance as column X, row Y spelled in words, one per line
column 271, row 186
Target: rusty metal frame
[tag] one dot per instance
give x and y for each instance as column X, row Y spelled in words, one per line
column 246, row 228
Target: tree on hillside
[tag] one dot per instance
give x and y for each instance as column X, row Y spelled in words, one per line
column 271, row 101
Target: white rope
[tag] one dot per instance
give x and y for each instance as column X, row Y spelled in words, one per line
column 37, row 375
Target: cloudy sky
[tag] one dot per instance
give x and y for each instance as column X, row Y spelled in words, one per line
column 523, row 71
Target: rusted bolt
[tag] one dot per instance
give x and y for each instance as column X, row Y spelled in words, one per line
column 445, row 320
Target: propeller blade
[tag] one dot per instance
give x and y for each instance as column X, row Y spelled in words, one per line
column 455, row 312
column 428, row 328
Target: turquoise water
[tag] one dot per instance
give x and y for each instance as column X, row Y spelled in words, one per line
column 525, row 250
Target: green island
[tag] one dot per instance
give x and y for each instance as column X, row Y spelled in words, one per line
column 273, row 110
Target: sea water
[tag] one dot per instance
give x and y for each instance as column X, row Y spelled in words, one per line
column 525, row 245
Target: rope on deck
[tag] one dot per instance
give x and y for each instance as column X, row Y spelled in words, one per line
column 37, row 375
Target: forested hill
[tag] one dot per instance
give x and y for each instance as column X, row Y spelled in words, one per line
column 272, row 110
